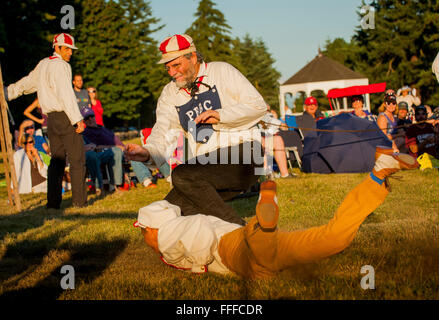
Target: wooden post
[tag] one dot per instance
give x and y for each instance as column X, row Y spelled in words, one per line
column 6, row 146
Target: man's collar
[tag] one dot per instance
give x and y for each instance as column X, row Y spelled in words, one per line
column 56, row 55
column 202, row 73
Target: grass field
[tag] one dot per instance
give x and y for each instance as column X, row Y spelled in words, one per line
column 400, row 240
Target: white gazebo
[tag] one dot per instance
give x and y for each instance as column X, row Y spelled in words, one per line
column 322, row 73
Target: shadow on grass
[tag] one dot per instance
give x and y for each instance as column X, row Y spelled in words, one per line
column 89, row 262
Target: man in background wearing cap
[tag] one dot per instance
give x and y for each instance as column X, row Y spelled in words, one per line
column 403, row 123
column 223, row 105
column 311, row 108
column 408, row 95
column 52, row 80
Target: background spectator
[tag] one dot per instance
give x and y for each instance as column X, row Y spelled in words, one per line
column 408, row 95
column 402, row 123
column 312, row 109
column 42, row 121
column 30, row 169
column 386, row 119
column 105, row 139
column 96, row 105
column 422, row 137
column 357, row 103
column 28, row 127
column 81, row 94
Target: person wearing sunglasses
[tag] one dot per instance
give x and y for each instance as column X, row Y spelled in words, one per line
column 387, row 121
column 28, row 126
column 422, row 137
column 96, row 106
column 30, row 169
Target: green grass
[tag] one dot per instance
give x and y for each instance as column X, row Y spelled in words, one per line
column 400, row 240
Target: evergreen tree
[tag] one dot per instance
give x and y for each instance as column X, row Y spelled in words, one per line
column 210, row 33
column 117, row 55
column 256, row 64
column 399, row 50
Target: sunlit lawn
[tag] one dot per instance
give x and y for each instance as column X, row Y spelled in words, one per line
column 400, row 240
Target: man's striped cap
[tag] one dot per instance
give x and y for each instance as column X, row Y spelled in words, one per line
column 63, row 39
column 176, row 46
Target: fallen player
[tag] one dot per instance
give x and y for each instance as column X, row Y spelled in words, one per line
column 201, row 243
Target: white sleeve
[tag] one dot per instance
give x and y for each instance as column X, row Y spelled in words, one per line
column 188, row 241
column 162, row 141
column 64, row 91
column 435, row 67
column 249, row 106
column 25, row 85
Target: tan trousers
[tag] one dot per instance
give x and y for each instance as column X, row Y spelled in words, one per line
column 253, row 253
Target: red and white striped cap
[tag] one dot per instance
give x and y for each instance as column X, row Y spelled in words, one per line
column 176, row 46
column 63, row 39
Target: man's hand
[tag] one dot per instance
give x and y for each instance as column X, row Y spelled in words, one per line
column 209, row 116
column 89, row 147
column 79, row 126
column 135, row 152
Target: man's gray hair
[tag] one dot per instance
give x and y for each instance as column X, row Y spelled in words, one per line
column 200, row 58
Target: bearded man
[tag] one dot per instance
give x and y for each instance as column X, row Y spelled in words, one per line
column 218, row 110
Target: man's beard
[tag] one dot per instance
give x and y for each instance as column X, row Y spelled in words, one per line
column 186, row 83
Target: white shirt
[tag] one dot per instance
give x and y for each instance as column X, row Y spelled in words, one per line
column 242, row 107
column 191, row 242
column 435, row 67
column 23, row 171
column 52, row 80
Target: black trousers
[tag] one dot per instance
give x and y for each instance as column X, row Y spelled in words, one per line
column 65, row 142
column 200, row 187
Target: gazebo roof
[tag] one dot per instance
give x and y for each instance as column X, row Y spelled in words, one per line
column 322, row 68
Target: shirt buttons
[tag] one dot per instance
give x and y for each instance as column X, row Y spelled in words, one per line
column 196, row 98
column 191, row 129
column 213, row 90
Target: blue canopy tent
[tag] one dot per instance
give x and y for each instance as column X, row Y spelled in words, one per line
column 342, row 152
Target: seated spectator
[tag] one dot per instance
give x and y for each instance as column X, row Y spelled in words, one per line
column 28, row 126
column 357, row 105
column 144, row 175
column 30, row 169
column 422, row 137
column 402, row 123
column 271, row 127
column 104, row 140
column 408, row 95
column 386, row 119
column 94, row 158
column 312, row 109
column 96, row 105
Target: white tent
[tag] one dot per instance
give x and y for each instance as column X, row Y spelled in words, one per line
column 322, row 73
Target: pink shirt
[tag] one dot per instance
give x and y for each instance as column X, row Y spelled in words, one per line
column 99, row 111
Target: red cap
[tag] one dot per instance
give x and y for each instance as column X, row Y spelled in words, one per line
column 176, row 46
column 310, row 100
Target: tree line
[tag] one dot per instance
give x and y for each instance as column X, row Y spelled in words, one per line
column 399, row 50
column 118, row 54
